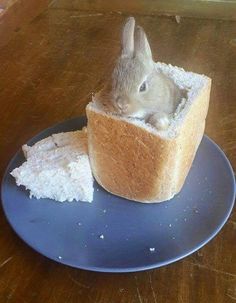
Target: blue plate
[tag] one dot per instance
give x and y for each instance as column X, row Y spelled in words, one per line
column 115, row 235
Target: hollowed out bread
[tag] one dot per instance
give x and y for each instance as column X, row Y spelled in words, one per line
column 132, row 159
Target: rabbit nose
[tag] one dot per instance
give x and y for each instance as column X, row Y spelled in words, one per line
column 125, row 107
column 122, row 105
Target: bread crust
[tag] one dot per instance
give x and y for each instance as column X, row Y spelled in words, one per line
column 134, row 163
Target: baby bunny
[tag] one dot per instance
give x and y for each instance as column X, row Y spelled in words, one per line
column 138, row 89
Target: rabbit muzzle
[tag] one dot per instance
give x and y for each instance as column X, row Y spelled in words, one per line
column 122, row 105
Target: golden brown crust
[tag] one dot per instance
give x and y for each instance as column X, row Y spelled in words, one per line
column 136, row 164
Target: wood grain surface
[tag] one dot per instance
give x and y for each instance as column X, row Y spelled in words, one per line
column 14, row 14
column 47, row 73
column 214, row 9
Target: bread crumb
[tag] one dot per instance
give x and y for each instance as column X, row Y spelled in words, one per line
column 199, row 253
column 152, row 249
column 177, row 19
column 101, row 236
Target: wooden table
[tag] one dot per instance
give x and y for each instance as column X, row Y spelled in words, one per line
column 47, row 73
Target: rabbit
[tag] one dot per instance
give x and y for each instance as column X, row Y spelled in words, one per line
column 137, row 88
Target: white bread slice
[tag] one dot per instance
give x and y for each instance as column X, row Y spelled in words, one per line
column 58, row 168
column 132, row 159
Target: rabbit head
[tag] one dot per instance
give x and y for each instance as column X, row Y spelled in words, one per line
column 134, row 79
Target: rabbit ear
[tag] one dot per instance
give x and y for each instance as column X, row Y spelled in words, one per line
column 141, row 44
column 128, row 37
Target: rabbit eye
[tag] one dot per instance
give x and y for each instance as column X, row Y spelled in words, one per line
column 143, row 87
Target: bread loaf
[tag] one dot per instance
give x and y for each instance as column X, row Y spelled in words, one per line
column 132, row 159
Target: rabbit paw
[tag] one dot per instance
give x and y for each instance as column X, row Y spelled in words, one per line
column 159, row 121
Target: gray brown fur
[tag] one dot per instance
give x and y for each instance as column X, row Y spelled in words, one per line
column 133, row 67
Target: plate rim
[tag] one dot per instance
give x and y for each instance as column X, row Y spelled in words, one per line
column 83, row 119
